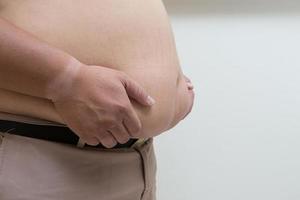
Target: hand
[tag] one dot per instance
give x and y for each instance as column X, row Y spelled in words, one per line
column 95, row 105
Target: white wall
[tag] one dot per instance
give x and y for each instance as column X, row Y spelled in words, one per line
column 242, row 140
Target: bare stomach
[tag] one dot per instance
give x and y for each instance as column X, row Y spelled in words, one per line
column 132, row 36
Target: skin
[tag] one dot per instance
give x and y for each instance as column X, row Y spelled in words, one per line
column 135, row 43
column 95, row 94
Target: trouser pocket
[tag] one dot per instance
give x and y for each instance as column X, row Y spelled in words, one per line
column 2, row 135
column 147, row 154
column 39, row 169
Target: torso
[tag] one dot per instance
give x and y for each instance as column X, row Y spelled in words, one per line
column 131, row 36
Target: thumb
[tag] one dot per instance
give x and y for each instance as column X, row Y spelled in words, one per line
column 135, row 91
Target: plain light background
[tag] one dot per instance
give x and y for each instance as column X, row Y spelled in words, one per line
column 242, row 139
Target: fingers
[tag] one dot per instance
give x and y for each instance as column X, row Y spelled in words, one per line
column 120, row 133
column 90, row 140
column 132, row 123
column 111, row 137
column 107, row 139
column 135, row 91
column 92, row 135
column 109, row 134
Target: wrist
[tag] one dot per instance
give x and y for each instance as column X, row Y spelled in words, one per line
column 62, row 83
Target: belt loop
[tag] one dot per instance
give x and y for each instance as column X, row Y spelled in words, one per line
column 149, row 168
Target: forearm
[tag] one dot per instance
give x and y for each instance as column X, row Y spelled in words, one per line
column 28, row 65
column 27, row 105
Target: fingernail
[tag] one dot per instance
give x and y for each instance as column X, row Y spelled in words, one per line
column 150, row 101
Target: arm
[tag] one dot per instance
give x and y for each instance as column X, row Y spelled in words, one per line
column 27, row 65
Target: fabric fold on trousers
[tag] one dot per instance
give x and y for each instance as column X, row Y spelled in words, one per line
column 33, row 169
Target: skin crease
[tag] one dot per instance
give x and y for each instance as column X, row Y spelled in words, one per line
column 137, row 40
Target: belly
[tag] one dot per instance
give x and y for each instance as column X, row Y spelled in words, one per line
column 126, row 35
column 112, row 33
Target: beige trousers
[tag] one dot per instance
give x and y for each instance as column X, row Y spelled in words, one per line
column 33, row 169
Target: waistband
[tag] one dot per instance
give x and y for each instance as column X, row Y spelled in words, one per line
column 47, row 130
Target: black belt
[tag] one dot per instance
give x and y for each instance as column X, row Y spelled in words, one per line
column 61, row 134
